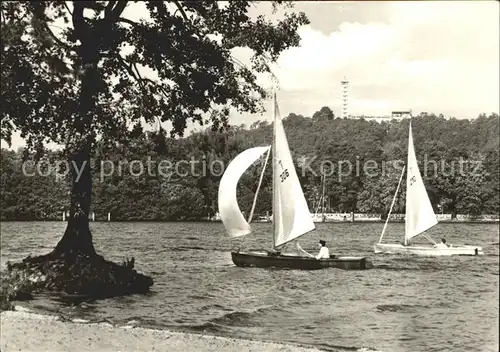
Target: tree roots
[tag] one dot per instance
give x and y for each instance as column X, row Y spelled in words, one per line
column 72, row 274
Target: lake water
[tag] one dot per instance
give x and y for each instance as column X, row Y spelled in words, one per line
column 402, row 304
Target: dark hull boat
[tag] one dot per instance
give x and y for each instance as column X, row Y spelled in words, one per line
column 273, row 260
column 291, row 215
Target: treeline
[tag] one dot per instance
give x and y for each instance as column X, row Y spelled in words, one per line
column 158, row 178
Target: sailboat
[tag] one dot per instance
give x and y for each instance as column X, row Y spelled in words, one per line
column 419, row 216
column 291, row 217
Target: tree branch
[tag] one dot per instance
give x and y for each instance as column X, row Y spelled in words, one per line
column 78, row 19
column 124, row 65
column 57, row 40
column 125, row 20
column 109, row 8
column 67, row 8
column 181, row 10
column 138, row 74
column 112, row 15
column 139, row 79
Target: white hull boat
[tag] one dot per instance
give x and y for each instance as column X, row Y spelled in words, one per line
column 425, row 251
column 419, row 217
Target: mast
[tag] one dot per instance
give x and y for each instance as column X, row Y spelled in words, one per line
column 323, row 199
column 275, row 188
column 408, row 177
column 258, row 188
column 392, row 205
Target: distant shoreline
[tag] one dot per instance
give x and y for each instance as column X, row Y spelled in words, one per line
column 495, row 221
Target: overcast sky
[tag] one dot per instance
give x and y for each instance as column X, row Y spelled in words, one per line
column 440, row 57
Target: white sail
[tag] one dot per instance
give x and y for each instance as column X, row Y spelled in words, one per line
column 291, row 214
column 419, row 213
column 229, row 211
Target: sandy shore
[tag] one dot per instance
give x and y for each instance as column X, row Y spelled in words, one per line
column 23, row 331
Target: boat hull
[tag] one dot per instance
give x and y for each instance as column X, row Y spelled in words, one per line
column 396, row 248
column 271, row 260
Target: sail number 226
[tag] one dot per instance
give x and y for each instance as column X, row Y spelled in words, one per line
column 284, row 174
column 412, row 180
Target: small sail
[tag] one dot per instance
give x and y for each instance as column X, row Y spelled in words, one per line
column 419, row 213
column 292, row 217
column 229, row 211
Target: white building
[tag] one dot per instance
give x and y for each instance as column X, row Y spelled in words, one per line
column 401, row 114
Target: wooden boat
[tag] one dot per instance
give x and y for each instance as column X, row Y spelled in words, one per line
column 291, row 216
column 272, row 260
column 419, row 217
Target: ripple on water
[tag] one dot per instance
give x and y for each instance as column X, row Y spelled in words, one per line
column 402, row 304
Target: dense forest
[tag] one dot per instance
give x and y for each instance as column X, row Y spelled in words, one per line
column 153, row 177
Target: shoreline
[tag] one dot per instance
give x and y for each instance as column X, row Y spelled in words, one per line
column 51, row 332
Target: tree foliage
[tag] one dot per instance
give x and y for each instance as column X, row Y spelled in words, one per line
column 185, row 45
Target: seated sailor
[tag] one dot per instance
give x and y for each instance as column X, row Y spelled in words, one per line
column 442, row 244
column 324, row 253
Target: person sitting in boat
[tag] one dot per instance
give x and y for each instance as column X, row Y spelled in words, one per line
column 442, row 244
column 324, row 253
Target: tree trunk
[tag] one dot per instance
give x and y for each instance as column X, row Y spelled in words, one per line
column 77, row 238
